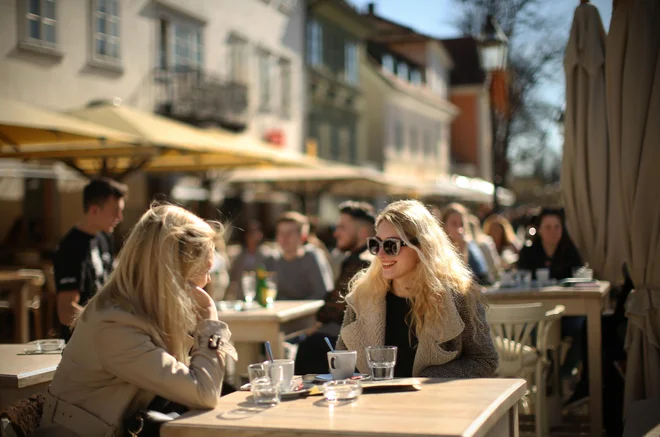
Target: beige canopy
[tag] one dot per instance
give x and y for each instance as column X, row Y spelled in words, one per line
column 183, row 147
column 325, row 177
column 585, row 166
column 633, row 109
column 26, row 131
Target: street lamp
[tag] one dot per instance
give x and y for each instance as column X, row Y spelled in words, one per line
column 494, row 53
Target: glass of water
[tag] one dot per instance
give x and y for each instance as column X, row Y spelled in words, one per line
column 249, row 285
column 381, row 360
column 265, row 384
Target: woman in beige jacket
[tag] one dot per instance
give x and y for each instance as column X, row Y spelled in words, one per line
column 419, row 296
column 132, row 342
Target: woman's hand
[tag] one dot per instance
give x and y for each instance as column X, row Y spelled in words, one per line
column 205, row 303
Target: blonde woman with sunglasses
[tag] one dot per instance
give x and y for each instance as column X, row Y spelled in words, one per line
column 151, row 331
column 420, row 296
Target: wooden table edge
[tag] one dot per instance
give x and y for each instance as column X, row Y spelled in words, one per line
column 503, row 404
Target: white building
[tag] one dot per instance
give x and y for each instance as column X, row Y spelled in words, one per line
column 63, row 54
column 406, row 81
column 234, row 63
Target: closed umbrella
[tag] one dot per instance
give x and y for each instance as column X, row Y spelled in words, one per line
column 585, row 165
column 633, row 107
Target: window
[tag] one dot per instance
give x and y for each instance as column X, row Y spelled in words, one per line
column 106, row 30
column 285, row 83
column 40, row 22
column 415, row 76
column 414, row 141
column 335, row 149
column 238, row 59
column 314, row 43
column 388, row 63
column 351, row 54
column 438, row 141
column 428, row 145
column 264, row 80
column 188, row 47
column 402, row 71
column 398, row 137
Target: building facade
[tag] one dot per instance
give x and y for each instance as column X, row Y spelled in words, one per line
column 335, row 34
column 471, row 147
column 233, row 64
column 406, row 80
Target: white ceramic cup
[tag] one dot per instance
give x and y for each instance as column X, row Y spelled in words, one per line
column 287, row 372
column 342, row 364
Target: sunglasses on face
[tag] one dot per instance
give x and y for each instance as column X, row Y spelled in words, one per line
column 391, row 246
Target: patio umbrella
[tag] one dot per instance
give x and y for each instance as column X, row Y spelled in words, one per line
column 633, row 109
column 24, row 127
column 183, row 147
column 585, row 164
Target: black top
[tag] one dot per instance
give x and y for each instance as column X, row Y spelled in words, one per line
column 83, row 262
column 561, row 264
column 397, row 333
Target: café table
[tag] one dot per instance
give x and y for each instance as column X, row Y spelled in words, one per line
column 443, row 407
column 258, row 325
column 578, row 301
column 22, row 375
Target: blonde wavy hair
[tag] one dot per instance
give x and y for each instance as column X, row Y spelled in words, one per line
column 167, row 248
column 438, row 277
column 508, row 235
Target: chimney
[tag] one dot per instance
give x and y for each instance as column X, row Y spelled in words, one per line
column 371, row 8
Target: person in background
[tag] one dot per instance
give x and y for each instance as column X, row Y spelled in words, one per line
column 487, row 247
column 454, row 219
column 132, row 343
column 419, row 296
column 253, row 254
column 354, row 226
column 553, row 249
column 84, row 258
column 302, row 271
column 506, row 242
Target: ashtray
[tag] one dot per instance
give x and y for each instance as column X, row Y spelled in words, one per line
column 342, row 390
column 40, row 346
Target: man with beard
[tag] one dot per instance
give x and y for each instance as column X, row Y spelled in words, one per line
column 355, row 225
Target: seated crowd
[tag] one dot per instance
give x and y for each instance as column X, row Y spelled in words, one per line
column 410, row 276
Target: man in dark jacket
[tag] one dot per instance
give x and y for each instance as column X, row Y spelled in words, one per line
column 355, row 225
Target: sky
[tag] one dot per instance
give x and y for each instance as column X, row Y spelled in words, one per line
column 437, row 18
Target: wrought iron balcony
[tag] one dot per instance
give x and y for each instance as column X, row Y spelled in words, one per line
column 201, row 98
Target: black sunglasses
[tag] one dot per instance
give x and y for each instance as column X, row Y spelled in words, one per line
column 391, row 246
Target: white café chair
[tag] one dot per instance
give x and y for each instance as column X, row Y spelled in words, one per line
column 511, row 329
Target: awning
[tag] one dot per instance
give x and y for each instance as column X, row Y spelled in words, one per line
column 26, row 129
column 183, row 147
column 466, row 189
column 325, row 177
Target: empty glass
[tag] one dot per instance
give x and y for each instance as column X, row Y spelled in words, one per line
column 381, row 360
column 265, row 384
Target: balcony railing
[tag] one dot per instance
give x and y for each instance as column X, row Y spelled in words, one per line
column 201, row 98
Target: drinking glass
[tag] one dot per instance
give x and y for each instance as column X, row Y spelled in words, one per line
column 270, row 291
column 249, row 285
column 381, row 360
column 265, row 384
